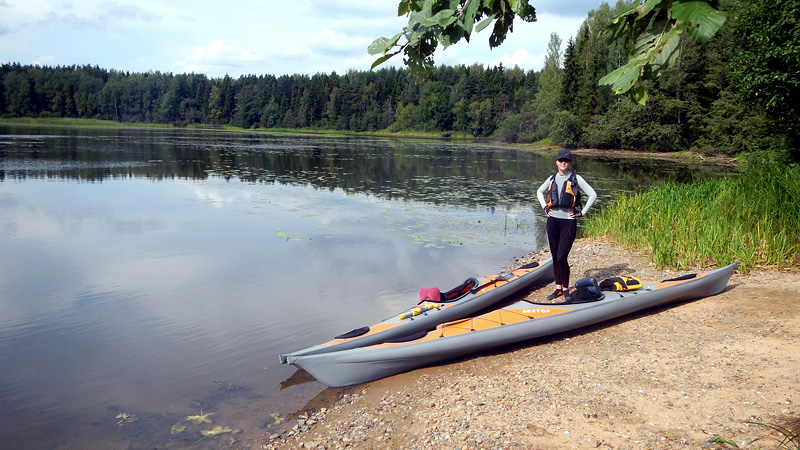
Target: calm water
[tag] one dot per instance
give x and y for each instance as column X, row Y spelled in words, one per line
column 159, row 273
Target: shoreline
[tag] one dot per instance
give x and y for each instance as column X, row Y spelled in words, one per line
column 688, row 376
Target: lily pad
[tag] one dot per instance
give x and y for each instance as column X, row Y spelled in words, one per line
column 291, row 237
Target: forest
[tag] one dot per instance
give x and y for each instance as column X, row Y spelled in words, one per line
column 735, row 95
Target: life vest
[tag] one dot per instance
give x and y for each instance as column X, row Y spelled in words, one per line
column 570, row 195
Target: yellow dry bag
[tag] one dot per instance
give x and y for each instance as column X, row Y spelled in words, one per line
column 620, row 284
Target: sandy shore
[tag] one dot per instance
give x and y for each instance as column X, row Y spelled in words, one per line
column 689, row 376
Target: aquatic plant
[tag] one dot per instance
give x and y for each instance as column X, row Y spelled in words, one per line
column 125, row 417
column 291, row 237
column 202, row 418
column 216, row 431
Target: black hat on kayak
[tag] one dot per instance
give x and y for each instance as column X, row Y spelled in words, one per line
column 564, row 154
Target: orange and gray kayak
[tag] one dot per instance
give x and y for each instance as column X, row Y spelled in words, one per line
column 510, row 324
column 464, row 300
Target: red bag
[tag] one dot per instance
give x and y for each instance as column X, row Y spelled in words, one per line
column 430, row 294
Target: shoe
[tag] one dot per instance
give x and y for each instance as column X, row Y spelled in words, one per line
column 557, row 293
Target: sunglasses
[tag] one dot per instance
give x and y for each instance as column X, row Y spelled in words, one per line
column 562, row 160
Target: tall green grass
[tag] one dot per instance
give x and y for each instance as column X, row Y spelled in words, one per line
column 752, row 218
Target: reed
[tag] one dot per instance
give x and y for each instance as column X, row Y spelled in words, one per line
column 752, row 218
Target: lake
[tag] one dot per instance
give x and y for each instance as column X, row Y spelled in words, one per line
column 147, row 275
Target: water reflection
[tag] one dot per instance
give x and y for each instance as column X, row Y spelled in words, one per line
column 431, row 171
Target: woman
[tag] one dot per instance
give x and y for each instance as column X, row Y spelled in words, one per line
column 560, row 196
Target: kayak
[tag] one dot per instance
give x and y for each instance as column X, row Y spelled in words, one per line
column 462, row 301
column 514, row 323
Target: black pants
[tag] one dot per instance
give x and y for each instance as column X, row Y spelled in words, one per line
column 561, row 234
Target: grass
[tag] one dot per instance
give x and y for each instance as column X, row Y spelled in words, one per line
column 61, row 121
column 786, row 435
column 752, row 218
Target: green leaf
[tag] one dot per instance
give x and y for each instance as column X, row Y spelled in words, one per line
column 382, row 59
column 416, row 36
column 648, row 6
column 383, row 45
column 468, row 18
column 623, row 79
column 449, row 4
column 442, row 18
column 621, row 17
column 617, row 25
column 650, row 40
column 403, row 8
column 640, row 95
column 485, row 23
column 668, row 53
column 524, row 10
column 415, row 18
column 698, row 18
column 453, row 34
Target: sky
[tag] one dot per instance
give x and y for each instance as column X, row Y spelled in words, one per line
column 249, row 37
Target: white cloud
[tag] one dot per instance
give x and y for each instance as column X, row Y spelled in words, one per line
column 520, row 58
column 215, row 50
column 217, row 57
column 43, row 60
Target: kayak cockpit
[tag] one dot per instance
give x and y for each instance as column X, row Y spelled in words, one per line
column 353, row 333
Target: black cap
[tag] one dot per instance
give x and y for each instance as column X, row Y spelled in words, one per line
column 564, row 154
